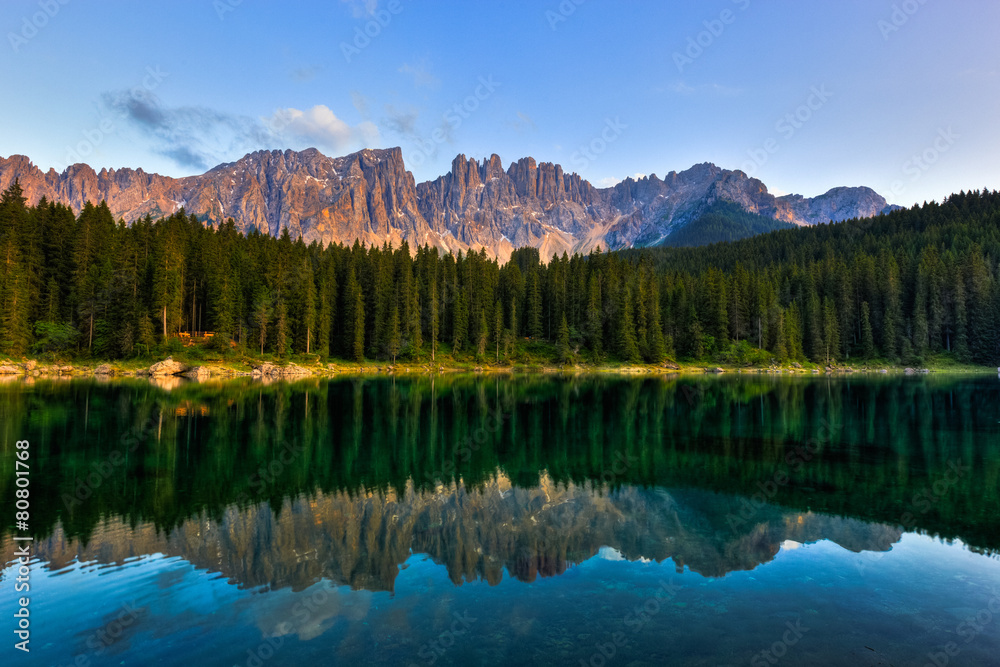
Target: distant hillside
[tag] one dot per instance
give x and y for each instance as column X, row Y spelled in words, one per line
column 723, row 221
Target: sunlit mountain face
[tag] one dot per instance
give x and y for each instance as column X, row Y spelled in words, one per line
column 370, row 196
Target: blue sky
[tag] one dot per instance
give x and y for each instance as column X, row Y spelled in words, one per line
column 900, row 95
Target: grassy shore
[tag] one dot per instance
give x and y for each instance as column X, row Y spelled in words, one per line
column 529, row 358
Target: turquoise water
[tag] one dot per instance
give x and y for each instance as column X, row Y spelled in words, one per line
column 736, row 521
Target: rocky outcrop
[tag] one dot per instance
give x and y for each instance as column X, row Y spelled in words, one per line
column 198, row 373
column 104, row 369
column 167, row 367
column 837, row 205
column 370, row 196
column 273, row 371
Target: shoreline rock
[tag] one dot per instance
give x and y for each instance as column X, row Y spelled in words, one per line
column 167, row 367
column 273, row 371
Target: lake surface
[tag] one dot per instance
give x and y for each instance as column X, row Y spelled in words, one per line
column 742, row 520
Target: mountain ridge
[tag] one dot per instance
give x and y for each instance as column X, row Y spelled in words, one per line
column 370, row 196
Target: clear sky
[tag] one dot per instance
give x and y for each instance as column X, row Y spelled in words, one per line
column 900, row 95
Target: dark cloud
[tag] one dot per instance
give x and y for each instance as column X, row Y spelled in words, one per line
column 401, row 121
column 200, row 137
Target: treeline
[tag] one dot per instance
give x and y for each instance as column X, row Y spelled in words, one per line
column 900, row 287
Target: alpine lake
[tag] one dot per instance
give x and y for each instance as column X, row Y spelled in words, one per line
column 507, row 520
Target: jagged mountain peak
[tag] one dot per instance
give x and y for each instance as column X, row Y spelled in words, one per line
column 369, row 195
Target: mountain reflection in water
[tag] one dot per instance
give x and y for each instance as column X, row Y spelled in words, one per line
column 363, row 539
column 357, row 520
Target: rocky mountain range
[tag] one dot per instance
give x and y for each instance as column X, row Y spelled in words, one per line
column 370, row 196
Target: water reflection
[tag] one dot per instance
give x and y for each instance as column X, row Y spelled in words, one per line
column 881, row 450
column 551, row 507
column 362, row 540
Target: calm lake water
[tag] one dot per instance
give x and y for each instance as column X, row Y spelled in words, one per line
column 750, row 520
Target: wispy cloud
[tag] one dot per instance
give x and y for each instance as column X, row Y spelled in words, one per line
column 197, row 137
column 401, row 121
column 320, row 127
column 361, row 104
column 422, row 76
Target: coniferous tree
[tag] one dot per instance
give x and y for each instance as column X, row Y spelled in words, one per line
column 483, row 336
column 413, row 325
column 460, row 322
column 306, row 297
column 15, row 292
column 395, row 340
column 261, row 316
column 819, row 294
column 435, row 320
column 534, row 313
column 281, row 329
column 793, row 332
column 628, row 348
column 595, row 326
column 562, row 340
column 695, row 335
column 168, row 279
column 498, row 328
column 831, row 329
column 354, row 318
column 656, row 342
column 327, row 296
column 867, row 335
column 961, row 321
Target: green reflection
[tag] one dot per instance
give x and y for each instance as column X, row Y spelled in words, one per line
column 879, row 449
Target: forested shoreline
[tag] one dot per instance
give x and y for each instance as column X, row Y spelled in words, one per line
column 900, row 287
